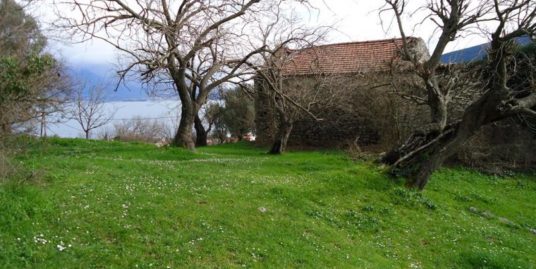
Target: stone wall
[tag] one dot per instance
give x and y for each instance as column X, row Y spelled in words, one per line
column 365, row 110
column 381, row 119
column 506, row 145
column 265, row 116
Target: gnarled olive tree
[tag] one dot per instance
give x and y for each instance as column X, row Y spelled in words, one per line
column 506, row 20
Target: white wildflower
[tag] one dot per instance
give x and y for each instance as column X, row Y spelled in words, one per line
column 39, row 239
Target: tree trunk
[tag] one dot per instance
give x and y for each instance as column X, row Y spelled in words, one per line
column 281, row 138
column 87, row 134
column 183, row 137
column 428, row 155
column 189, row 109
column 437, row 102
column 200, row 133
column 439, row 111
column 424, row 153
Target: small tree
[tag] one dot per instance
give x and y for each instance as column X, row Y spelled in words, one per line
column 238, row 112
column 89, row 109
column 236, row 115
column 214, row 118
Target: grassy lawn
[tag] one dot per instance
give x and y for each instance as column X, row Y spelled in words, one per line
column 124, row 205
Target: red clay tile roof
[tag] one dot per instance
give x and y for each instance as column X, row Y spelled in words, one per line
column 343, row 58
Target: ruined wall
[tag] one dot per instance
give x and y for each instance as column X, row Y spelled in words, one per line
column 369, row 113
column 381, row 119
column 506, row 145
column 265, row 116
column 364, row 109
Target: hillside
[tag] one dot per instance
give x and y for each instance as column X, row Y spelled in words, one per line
column 95, row 204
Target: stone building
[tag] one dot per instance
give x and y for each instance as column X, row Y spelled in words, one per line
column 373, row 113
column 367, row 109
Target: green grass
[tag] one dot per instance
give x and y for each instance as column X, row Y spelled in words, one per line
column 126, row 205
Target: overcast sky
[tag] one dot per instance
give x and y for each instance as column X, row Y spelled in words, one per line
column 352, row 20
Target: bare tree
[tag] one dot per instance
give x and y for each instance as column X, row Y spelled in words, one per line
column 426, row 151
column 452, row 17
column 89, row 110
column 274, row 70
column 193, row 45
column 292, row 99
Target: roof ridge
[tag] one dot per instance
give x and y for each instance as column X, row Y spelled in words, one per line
column 357, row 42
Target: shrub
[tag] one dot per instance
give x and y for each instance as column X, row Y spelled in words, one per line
column 138, row 129
column 10, row 170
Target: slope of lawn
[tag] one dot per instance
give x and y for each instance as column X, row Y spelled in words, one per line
column 97, row 204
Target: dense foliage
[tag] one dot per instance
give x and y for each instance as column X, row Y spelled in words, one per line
column 29, row 78
column 235, row 115
column 239, row 112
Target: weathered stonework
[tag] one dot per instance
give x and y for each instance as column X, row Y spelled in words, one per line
column 356, row 78
column 265, row 116
column 372, row 113
column 367, row 111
